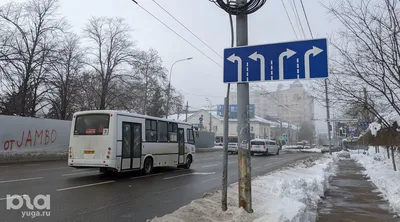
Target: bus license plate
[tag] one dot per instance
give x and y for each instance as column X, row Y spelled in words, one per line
column 88, row 152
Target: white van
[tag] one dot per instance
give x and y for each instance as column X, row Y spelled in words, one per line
column 263, row 146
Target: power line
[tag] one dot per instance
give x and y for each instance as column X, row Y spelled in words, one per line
column 177, row 34
column 187, row 28
column 291, row 24
column 296, row 14
column 305, row 14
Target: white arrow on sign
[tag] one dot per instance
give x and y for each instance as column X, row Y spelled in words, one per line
column 315, row 51
column 256, row 56
column 233, row 58
column 288, row 53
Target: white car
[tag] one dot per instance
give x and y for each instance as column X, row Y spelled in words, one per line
column 233, row 148
column 263, row 146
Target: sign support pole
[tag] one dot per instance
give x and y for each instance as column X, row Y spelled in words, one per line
column 327, row 115
column 244, row 159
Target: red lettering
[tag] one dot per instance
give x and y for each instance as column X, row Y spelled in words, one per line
column 22, row 139
column 28, row 139
column 6, row 145
column 11, row 142
column 37, row 135
column 47, row 138
column 53, row 136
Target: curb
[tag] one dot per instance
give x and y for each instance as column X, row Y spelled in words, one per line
column 32, row 157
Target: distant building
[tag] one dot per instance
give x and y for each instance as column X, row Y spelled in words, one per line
column 291, row 104
column 259, row 127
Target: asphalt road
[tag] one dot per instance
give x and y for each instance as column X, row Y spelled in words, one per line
column 87, row 195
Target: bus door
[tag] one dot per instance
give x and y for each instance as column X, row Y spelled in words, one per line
column 181, row 145
column 131, row 145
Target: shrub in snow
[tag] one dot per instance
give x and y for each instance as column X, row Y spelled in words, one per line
column 374, row 128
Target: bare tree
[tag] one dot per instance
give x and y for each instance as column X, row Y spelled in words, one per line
column 35, row 27
column 65, row 77
column 151, row 73
column 110, row 52
column 366, row 55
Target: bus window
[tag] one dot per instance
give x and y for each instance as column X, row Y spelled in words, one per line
column 190, row 136
column 172, row 132
column 92, row 124
column 162, row 128
column 151, row 130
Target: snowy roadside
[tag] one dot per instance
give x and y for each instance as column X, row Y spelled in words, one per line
column 295, row 149
column 380, row 171
column 290, row 194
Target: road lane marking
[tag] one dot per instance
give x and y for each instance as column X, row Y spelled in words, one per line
column 256, row 167
column 86, row 185
column 231, row 162
column 72, row 174
column 182, row 175
column 269, row 164
column 4, row 166
column 134, row 178
column 187, row 174
column 214, row 178
column 15, row 196
column 18, row 180
column 210, row 165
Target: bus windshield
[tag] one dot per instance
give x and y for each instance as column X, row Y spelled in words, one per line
column 92, row 124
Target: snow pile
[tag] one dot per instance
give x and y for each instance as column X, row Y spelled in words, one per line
column 380, row 171
column 308, row 150
column 290, row 147
column 290, row 194
column 374, row 128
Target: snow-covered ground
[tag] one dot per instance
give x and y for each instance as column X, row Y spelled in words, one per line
column 295, row 149
column 290, row 194
column 380, row 171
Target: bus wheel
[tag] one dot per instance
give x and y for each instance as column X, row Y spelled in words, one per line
column 148, row 166
column 188, row 162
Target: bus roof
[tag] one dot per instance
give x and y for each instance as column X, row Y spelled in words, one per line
column 124, row 113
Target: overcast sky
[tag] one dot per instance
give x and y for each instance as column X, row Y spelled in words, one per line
column 200, row 78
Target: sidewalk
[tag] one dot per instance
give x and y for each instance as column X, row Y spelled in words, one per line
column 352, row 197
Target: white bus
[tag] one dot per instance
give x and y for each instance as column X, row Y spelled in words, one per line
column 120, row 141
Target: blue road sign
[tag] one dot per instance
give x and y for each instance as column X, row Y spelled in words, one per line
column 281, row 61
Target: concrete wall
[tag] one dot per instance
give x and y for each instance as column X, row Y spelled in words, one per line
column 26, row 138
column 204, row 139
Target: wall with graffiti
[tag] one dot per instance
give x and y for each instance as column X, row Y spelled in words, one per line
column 26, row 134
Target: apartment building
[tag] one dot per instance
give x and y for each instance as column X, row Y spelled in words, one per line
column 291, row 104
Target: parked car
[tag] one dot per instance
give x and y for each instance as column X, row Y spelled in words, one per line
column 233, row 148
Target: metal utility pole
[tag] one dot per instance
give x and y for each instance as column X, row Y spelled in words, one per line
column 210, row 114
column 187, row 110
column 224, row 200
column 244, row 160
column 327, row 115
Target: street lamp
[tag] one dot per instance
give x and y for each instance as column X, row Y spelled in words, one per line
column 169, row 82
